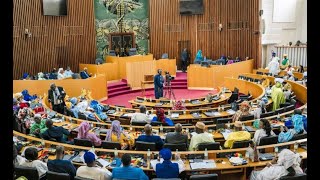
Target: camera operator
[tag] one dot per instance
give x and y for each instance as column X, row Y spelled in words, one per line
column 158, row 84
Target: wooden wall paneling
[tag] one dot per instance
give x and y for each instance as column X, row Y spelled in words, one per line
column 165, row 20
column 55, row 41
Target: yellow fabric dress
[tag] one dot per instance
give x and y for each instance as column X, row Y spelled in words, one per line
column 125, row 140
column 236, row 136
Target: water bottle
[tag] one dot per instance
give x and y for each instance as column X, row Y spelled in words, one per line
column 150, row 99
column 206, row 154
column 43, row 144
column 169, row 112
column 148, row 155
column 161, row 129
column 187, row 130
column 92, row 149
column 247, row 155
column 276, row 150
column 184, row 112
column 145, row 98
column 115, row 152
column 243, row 127
column 130, row 127
column 278, row 116
column 295, row 147
column 222, row 107
column 228, row 125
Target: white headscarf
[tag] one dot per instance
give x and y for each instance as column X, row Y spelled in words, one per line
column 287, row 158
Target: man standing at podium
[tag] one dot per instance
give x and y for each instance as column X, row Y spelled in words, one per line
column 158, row 84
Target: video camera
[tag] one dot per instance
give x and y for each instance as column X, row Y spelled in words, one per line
column 168, row 77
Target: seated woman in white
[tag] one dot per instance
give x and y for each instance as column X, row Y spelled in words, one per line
column 263, row 131
column 287, row 163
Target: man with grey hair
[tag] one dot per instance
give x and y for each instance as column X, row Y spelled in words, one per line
column 177, row 137
column 149, row 137
column 61, row 166
column 141, row 116
column 56, row 98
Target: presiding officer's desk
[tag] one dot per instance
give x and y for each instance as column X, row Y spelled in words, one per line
column 221, row 168
column 281, row 73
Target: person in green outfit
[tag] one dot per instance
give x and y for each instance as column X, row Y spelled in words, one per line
column 285, row 62
column 277, row 94
column 39, row 125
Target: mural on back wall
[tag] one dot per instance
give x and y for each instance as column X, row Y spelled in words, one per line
column 130, row 15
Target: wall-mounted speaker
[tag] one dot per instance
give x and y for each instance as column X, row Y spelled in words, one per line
column 260, row 12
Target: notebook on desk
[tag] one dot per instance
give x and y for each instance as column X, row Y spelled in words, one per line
column 205, row 164
column 249, row 129
column 266, row 156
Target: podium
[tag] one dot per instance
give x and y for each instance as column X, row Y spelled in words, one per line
column 148, row 79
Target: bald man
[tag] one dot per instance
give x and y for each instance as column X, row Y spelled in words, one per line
column 177, row 137
column 149, row 137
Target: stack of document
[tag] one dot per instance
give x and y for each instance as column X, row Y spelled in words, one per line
column 230, row 111
column 103, row 162
column 175, row 115
column 205, row 164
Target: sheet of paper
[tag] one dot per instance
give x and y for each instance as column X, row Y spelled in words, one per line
column 206, row 164
column 216, row 114
column 175, row 115
column 230, row 111
column 103, row 162
column 225, row 134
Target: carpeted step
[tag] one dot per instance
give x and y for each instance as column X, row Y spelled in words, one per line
column 178, row 83
column 180, row 87
column 117, row 93
column 112, row 90
column 116, row 85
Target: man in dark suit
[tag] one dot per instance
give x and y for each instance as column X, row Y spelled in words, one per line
column 56, row 98
column 177, row 137
column 84, row 74
column 184, row 59
column 158, row 84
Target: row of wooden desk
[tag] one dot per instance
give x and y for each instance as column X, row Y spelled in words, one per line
column 223, row 168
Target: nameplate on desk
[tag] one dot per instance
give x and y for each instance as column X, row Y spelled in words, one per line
column 158, row 104
column 205, row 164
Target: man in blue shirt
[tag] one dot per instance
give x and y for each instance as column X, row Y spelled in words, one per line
column 61, row 166
column 127, row 171
column 149, row 137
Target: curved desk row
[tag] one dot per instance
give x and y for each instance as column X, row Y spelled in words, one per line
column 221, row 168
column 299, row 90
column 281, row 73
column 97, row 85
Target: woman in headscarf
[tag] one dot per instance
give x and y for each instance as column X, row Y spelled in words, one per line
column 285, row 62
column 199, row 57
column 23, row 120
column 61, row 74
column 83, row 133
column 178, row 106
column 277, row 94
column 27, row 96
column 116, row 134
column 286, row 164
column 244, row 110
column 161, row 117
column 98, row 110
column 41, row 76
column 263, row 131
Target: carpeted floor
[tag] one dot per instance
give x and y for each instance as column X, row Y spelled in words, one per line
column 179, row 93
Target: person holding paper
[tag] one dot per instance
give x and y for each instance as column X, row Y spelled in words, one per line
column 61, row 166
column 165, row 168
column 127, row 171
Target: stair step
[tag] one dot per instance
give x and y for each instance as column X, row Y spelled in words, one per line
column 178, row 83
column 117, row 85
column 118, row 89
column 119, row 93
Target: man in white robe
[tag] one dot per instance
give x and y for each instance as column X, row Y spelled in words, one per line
column 279, row 166
column 274, row 66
